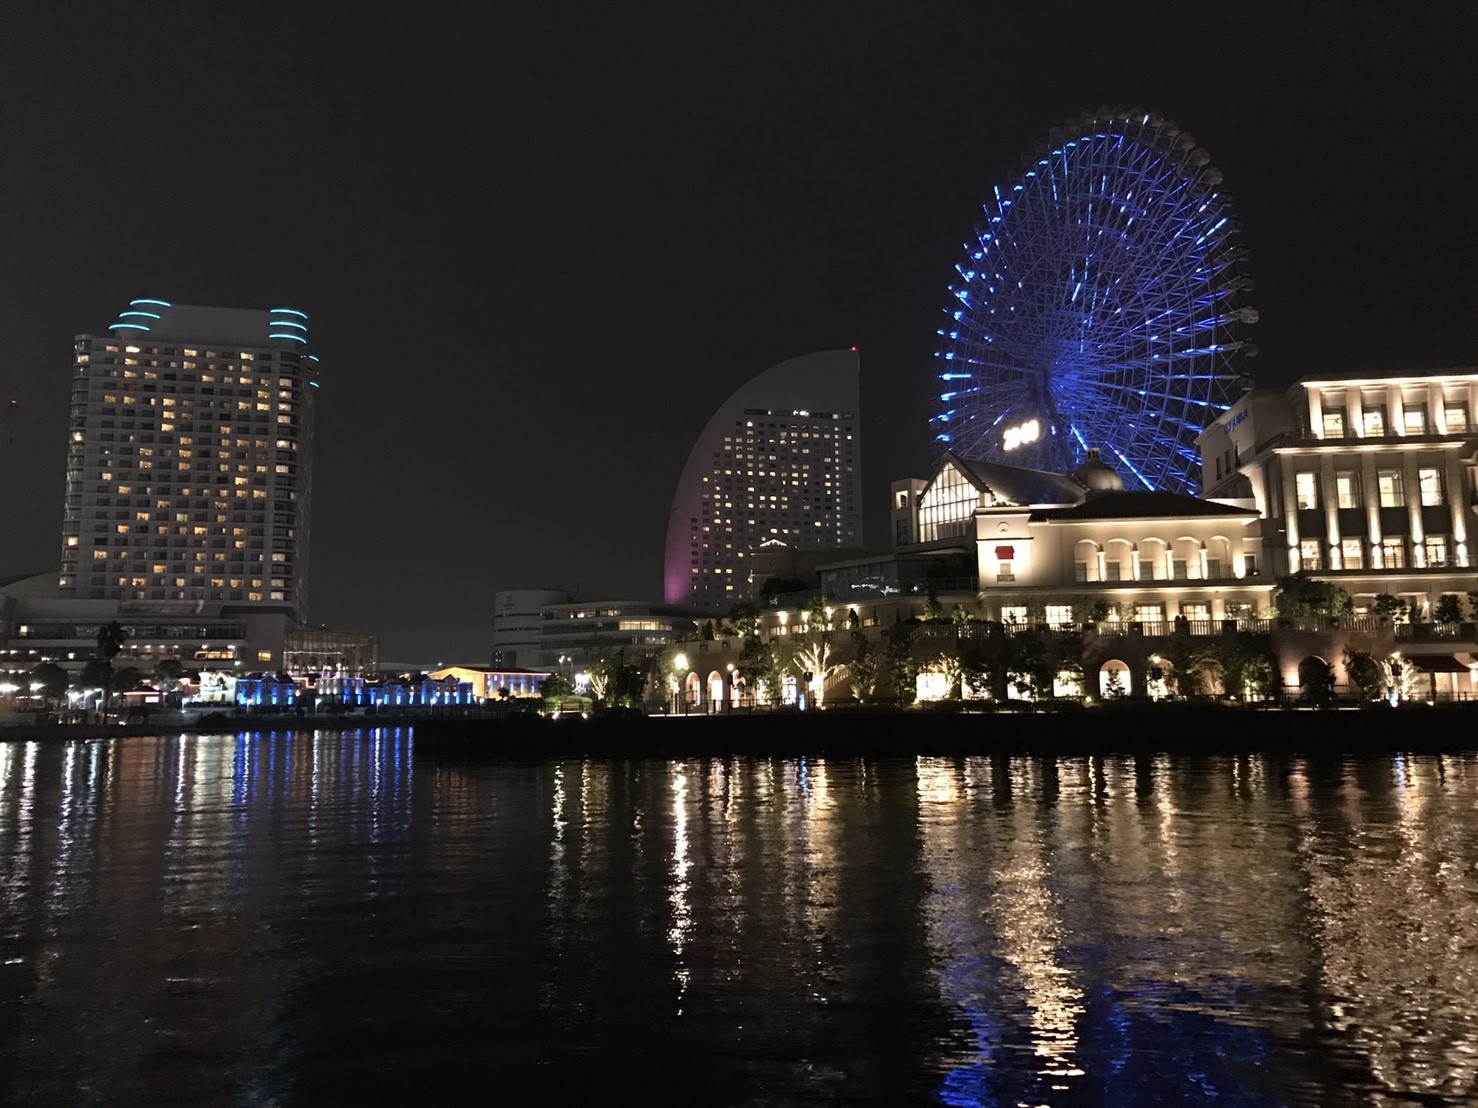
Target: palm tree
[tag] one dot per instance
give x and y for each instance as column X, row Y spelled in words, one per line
column 111, row 637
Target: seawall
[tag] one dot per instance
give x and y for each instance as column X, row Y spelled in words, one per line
column 1146, row 729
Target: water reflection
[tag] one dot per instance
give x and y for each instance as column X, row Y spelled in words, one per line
column 302, row 916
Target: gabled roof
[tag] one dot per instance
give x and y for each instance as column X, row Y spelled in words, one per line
column 1015, row 484
column 1141, row 505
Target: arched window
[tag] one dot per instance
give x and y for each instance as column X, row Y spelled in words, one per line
column 1114, row 680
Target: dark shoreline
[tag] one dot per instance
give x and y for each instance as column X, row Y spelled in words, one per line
column 1131, row 729
column 1136, row 729
column 216, row 725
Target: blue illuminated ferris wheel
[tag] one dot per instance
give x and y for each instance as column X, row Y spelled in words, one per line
column 1098, row 307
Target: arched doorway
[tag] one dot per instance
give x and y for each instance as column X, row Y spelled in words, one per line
column 1114, row 680
column 1315, row 679
column 693, row 690
column 1159, row 678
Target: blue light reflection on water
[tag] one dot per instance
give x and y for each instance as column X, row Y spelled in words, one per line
column 300, row 916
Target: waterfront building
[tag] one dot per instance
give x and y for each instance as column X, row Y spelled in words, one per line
column 575, row 638
column 186, row 513
column 36, row 627
column 189, row 461
column 492, row 683
column 518, row 615
column 781, row 460
column 1367, row 482
column 316, row 650
column 1364, row 480
column 980, row 544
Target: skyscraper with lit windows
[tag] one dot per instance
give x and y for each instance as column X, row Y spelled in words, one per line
column 780, row 460
column 189, row 458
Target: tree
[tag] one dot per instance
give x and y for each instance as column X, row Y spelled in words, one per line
column 556, row 685
column 1449, row 609
column 813, row 644
column 757, row 663
column 626, row 682
column 899, row 663
column 1248, row 666
column 1385, row 604
column 96, row 674
column 111, row 637
column 127, row 679
column 1301, row 595
column 865, row 668
column 946, row 662
column 706, row 631
column 989, row 662
column 745, row 618
column 1032, row 664
column 50, row 679
column 167, row 673
column 600, row 681
column 1090, row 609
column 1366, row 674
column 1316, row 679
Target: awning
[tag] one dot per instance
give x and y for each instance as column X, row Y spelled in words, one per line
column 1435, row 663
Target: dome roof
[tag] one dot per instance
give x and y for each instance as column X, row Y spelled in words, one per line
column 1096, row 475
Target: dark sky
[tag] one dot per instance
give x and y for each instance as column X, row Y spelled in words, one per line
column 540, row 243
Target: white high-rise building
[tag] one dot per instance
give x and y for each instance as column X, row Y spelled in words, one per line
column 189, row 459
column 780, row 460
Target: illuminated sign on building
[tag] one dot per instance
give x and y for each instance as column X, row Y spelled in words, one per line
column 1022, row 433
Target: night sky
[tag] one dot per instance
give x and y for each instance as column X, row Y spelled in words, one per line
column 540, row 244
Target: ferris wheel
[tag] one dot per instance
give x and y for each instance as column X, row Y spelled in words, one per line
column 1098, row 307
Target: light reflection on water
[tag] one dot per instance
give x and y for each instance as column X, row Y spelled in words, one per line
column 299, row 917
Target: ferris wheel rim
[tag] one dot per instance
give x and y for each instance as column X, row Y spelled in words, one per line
column 1145, row 361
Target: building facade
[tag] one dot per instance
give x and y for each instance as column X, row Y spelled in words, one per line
column 189, row 461
column 574, row 638
column 518, row 615
column 1366, row 481
column 780, row 459
column 314, row 650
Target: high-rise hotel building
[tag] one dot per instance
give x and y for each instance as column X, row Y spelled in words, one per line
column 780, row 460
column 189, row 460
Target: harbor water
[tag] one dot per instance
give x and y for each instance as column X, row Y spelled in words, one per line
column 300, row 918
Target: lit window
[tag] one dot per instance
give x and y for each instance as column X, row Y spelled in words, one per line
column 1347, row 489
column 1306, row 489
column 1334, row 423
column 1392, row 492
column 1435, row 547
column 1393, row 553
column 1351, row 554
column 1374, row 418
column 1457, row 419
column 1308, row 554
column 1429, row 482
column 1414, row 419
